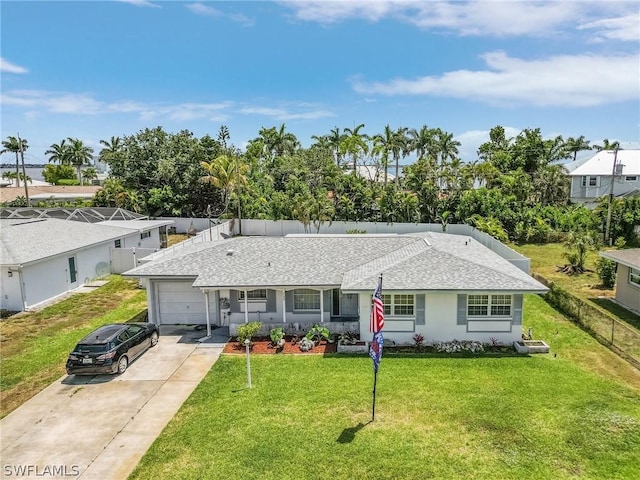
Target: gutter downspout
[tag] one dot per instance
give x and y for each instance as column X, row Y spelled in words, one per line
column 23, row 294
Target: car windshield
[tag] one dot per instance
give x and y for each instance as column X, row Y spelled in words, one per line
column 92, row 348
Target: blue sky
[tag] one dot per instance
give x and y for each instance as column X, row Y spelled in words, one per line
column 97, row 69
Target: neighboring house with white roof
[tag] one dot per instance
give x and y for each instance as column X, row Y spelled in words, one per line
column 592, row 179
column 440, row 285
column 41, row 258
column 627, row 276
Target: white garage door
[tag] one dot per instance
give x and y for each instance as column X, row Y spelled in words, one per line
column 180, row 303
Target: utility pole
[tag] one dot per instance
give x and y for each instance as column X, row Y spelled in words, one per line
column 24, row 172
column 607, row 237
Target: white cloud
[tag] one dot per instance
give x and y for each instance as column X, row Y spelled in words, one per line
column 201, row 9
column 564, row 80
column 491, row 18
column 8, row 67
column 207, row 11
column 140, row 3
column 281, row 114
column 625, row 28
column 85, row 104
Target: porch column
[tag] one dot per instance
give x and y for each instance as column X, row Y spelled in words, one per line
column 206, row 309
column 246, row 307
column 321, row 306
column 284, row 306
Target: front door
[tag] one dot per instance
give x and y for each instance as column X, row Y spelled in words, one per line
column 73, row 272
column 344, row 305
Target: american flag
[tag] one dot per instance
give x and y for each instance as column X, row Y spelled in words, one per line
column 377, row 309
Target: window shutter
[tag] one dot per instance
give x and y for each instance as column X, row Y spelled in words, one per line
column 517, row 309
column 234, row 304
column 462, row 309
column 288, row 300
column 420, row 309
column 326, row 299
column 271, row 301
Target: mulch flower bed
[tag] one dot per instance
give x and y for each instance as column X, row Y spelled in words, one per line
column 262, row 346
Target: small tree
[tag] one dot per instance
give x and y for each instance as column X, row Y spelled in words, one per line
column 606, row 270
column 579, row 245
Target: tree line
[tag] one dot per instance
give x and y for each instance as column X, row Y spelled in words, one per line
column 515, row 190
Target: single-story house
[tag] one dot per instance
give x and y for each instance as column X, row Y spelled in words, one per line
column 627, row 276
column 592, row 179
column 41, row 258
column 439, row 285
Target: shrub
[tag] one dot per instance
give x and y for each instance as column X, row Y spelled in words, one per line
column 456, row 346
column 276, row 335
column 248, row 330
column 68, row 182
column 306, row 344
column 606, row 272
column 318, row 333
column 418, row 339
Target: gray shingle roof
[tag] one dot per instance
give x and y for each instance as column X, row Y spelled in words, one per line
column 28, row 240
column 432, row 261
column 629, row 257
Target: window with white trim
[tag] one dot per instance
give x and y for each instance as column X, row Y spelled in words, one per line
column 631, row 178
column 257, row 295
column 400, row 305
column 485, row 305
column 590, row 181
column 306, row 299
column 634, row 276
column 144, row 235
column 118, row 243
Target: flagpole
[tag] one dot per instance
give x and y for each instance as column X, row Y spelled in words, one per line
column 373, row 407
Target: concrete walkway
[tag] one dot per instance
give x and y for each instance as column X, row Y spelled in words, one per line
column 99, row 427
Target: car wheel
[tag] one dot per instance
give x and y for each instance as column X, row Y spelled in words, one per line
column 123, row 363
column 154, row 339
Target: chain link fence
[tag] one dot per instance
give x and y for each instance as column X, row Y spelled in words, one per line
column 611, row 332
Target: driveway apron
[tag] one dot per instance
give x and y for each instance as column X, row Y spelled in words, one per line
column 99, row 427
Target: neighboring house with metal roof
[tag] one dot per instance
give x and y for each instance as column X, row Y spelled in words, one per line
column 440, row 285
column 41, row 258
column 592, row 180
column 627, row 276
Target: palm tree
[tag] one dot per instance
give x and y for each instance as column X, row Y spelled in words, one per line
column 335, row 139
column 400, row 146
column 575, row 145
column 79, row 155
column 383, row 145
column 228, row 173
column 14, row 145
column 354, row 143
column 423, row 140
column 58, row 153
column 447, row 146
column 607, row 145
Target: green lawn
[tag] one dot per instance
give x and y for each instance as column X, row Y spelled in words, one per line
column 574, row 413
column 35, row 346
column 546, row 257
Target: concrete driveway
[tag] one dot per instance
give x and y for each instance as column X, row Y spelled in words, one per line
column 98, row 427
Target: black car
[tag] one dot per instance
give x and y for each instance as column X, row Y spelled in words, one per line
column 111, row 348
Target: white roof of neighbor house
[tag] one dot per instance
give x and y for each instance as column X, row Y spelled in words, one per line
column 138, row 225
column 30, row 240
column 602, row 163
column 429, row 261
column 629, row 257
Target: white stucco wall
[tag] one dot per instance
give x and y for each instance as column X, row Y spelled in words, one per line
column 10, row 294
column 627, row 293
column 50, row 277
column 440, row 324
